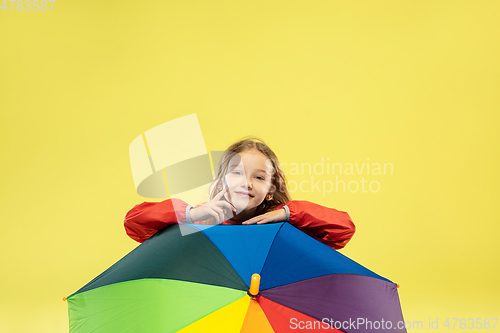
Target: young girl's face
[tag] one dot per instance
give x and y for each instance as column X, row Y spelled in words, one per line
column 249, row 179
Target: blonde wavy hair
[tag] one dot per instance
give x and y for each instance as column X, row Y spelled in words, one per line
column 279, row 187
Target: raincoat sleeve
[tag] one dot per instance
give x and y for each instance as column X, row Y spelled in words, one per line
column 145, row 219
column 330, row 226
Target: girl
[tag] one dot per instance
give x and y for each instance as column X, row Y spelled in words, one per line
column 249, row 188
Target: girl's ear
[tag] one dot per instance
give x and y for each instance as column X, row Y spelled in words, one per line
column 269, row 197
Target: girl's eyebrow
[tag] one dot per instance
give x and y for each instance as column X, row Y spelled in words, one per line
column 233, row 166
column 234, row 163
column 257, row 170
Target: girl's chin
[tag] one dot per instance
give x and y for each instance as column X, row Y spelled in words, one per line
column 240, row 205
column 239, row 208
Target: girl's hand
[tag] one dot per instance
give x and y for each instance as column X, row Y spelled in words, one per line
column 214, row 208
column 274, row 216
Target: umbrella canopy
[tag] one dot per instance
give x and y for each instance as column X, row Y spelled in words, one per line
column 186, row 281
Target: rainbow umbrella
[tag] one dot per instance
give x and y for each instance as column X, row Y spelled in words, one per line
column 195, row 278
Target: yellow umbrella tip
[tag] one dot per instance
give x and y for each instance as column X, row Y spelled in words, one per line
column 254, row 285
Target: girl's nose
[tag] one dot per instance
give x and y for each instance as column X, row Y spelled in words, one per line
column 247, row 185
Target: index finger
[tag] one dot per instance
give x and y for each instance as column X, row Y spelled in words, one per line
column 220, row 194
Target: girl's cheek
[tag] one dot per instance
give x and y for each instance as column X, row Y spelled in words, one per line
column 229, row 181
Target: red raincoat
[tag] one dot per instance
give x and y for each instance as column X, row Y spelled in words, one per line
column 330, row 226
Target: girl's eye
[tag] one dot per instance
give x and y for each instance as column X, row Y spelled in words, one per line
column 261, row 178
column 237, row 172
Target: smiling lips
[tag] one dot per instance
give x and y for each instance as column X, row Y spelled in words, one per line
column 245, row 194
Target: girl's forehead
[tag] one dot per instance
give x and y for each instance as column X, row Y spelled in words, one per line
column 251, row 159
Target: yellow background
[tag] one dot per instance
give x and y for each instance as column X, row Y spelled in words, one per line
column 412, row 83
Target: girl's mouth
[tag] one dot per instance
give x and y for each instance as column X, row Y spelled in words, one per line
column 244, row 194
